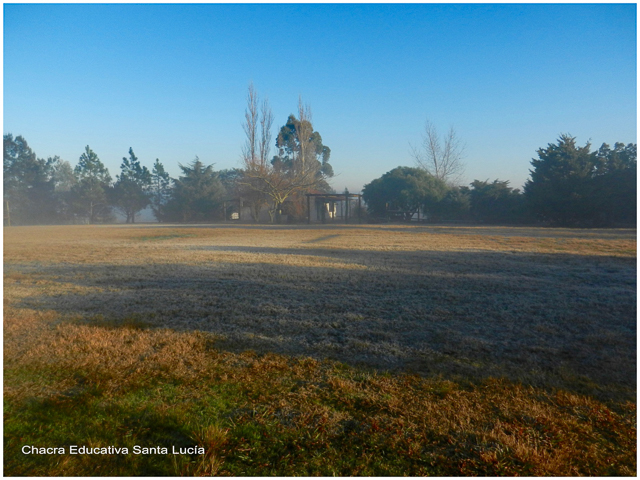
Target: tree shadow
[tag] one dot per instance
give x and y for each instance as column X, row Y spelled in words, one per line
column 444, row 229
column 546, row 320
column 322, row 239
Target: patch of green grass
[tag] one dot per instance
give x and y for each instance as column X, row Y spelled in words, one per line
column 273, row 415
column 149, row 414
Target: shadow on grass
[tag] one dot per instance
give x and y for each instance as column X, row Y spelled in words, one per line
column 448, row 229
column 546, row 320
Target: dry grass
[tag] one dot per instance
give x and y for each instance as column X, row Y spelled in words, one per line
column 100, row 312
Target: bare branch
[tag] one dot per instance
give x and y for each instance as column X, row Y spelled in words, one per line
column 283, row 178
column 266, row 121
column 250, row 126
column 442, row 158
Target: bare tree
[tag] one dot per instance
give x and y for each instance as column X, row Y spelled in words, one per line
column 255, row 151
column 250, row 126
column 442, row 158
column 266, row 122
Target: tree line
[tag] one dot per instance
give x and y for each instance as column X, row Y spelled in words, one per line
column 39, row 191
column 569, row 185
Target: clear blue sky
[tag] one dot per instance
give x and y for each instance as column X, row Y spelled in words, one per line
column 171, row 80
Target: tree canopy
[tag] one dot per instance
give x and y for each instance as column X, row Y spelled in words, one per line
column 570, row 185
column 300, row 147
column 197, row 195
column 90, row 195
column 404, row 190
column 131, row 191
column 90, row 166
column 495, row 202
column 161, row 187
column 28, row 184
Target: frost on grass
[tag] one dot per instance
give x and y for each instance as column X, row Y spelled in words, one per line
column 545, row 307
column 158, row 334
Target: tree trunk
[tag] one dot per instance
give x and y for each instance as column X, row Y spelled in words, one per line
column 8, row 214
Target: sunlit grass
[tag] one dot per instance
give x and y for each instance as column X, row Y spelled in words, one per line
column 321, row 351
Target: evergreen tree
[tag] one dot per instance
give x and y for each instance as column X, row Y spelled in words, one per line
column 64, row 180
column 570, row 185
column 558, row 189
column 161, row 184
column 28, row 184
column 131, row 191
column 197, row 195
column 455, row 205
column 614, row 185
column 90, row 166
column 90, row 196
column 402, row 191
column 496, row 202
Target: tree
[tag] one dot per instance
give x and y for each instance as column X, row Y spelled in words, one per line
column 231, row 179
column 28, row 184
column 90, row 195
column 250, row 126
column 161, row 184
column 62, row 174
column 302, row 162
column 455, row 205
column 442, row 158
column 402, row 191
column 301, row 148
column 251, row 186
column 241, row 187
column 614, row 184
column 90, row 166
column 571, row 185
column 63, row 179
column 197, row 195
column 496, row 202
column 558, row 189
column 131, row 191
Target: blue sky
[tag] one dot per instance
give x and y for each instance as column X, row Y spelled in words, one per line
column 171, row 80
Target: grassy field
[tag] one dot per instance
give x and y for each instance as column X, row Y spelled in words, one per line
column 343, row 350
